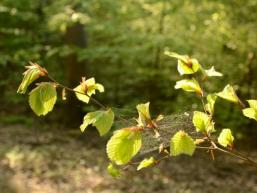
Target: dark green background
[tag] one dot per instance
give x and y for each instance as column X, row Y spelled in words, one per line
column 121, row 44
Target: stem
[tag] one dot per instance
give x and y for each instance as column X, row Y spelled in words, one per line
column 71, row 90
column 202, row 99
column 234, row 154
column 91, row 98
column 213, row 144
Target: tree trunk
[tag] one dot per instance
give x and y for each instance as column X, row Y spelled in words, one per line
column 76, row 37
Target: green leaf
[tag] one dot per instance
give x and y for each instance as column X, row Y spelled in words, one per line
column 183, row 58
column 212, row 72
column 42, row 99
column 82, row 97
column 189, row 85
column 203, row 122
column 102, row 120
column 209, row 107
column 87, row 88
column 143, row 114
column 226, row 138
column 147, row 162
column 190, row 67
column 229, row 94
column 113, row 171
column 186, row 65
column 181, row 143
column 252, row 103
column 252, row 111
column 30, row 76
column 123, row 146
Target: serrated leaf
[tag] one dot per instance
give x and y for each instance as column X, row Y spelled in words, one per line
column 113, row 171
column 102, row 120
column 209, row 107
column 123, row 146
column 182, row 143
column 226, row 138
column 203, row 122
column 212, row 72
column 87, row 88
column 252, row 111
column 189, row 85
column 30, row 76
column 43, row 98
column 147, row 162
column 229, row 94
column 143, row 114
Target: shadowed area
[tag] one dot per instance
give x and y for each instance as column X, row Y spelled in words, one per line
column 50, row 161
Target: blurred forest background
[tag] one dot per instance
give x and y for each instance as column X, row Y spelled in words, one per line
column 121, row 44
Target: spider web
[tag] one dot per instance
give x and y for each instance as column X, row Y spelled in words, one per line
column 166, row 128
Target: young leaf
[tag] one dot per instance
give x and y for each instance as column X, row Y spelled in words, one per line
column 252, row 103
column 102, row 120
column 143, row 114
column 183, row 58
column 209, row 107
column 186, row 65
column 203, row 122
column 147, row 162
column 181, row 143
column 190, row 67
column 229, row 94
column 226, row 138
column 32, row 73
column 252, row 111
column 189, row 85
column 42, row 98
column 113, row 171
column 212, row 72
column 87, row 88
column 123, row 146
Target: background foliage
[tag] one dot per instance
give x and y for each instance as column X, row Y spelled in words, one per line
column 121, row 44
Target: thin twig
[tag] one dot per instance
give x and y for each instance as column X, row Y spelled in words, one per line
column 213, row 144
column 72, row 90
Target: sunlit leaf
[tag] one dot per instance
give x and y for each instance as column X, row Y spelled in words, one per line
column 212, row 72
column 186, row 65
column 209, row 107
column 203, row 122
column 82, row 97
column 226, row 138
column 87, row 88
column 252, row 111
column 42, row 99
column 123, row 146
column 183, row 58
column 102, row 120
column 189, row 85
column 229, row 94
column 32, row 73
column 190, row 67
column 143, row 114
column 182, row 143
column 147, row 162
column 252, row 103
column 113, row 171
